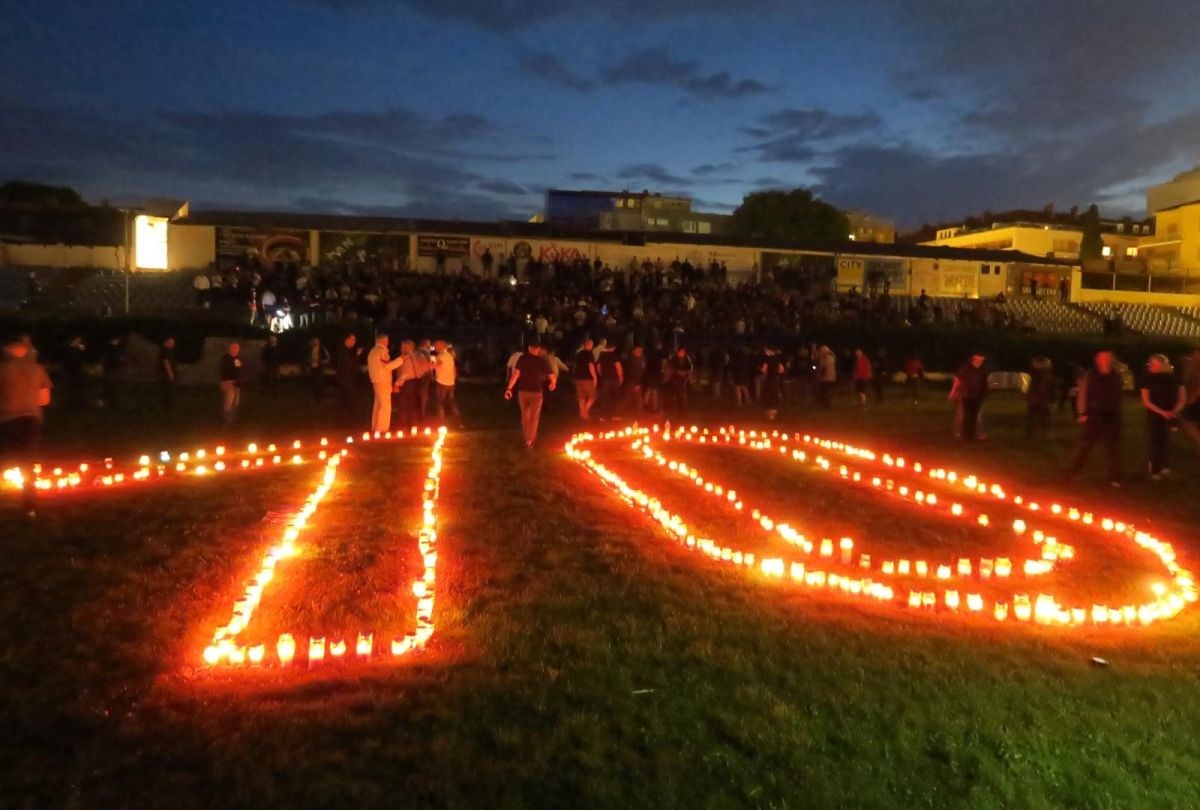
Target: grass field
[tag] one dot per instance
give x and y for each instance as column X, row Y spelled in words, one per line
column 580, row 660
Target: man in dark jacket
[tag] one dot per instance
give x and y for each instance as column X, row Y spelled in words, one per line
column 1099, row 409
column 345, row 366
column 1038, row 397
column 969, row 390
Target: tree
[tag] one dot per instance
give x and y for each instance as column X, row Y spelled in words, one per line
column 23, row 192
column 1091, row 246
column 795, row 215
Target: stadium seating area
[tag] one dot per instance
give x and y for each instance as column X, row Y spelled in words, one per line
column 1149, row 320
column 1052, row 315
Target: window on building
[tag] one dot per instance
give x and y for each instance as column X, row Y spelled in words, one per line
column 985, row 270
column 1131, row 252
column 689, row 226
column 620, row 202
column 1121, row 227
column 1106, row 251
column 996, row 270
column 705, row 227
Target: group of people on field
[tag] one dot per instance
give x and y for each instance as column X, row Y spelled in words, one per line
column 1170, row 400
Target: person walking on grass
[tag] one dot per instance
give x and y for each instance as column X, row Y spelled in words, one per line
column 914, row 374
column 863, row 374
column 445, row 382
column 231, row 383
column 1189, row 416
column 271, row 364
column 585, row 377
column 679, row 379
column 826, row 376
column 635, row 373
column 772, row 370
column 1099, row 414
column 24, row 392
column 345, row 367
column 612, row 377
column 968, row 391
column 1038, row 397
column 167, row 373
column 529, row 378
column 380, row 368
column 1163, row 397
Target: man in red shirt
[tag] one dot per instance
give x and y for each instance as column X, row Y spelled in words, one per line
column 863, row 373
column 969, row 390
column 24, row 392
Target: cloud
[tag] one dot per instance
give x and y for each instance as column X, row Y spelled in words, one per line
column 509, row 15
column 916, row 185
column 652, row 172
column 699, row 204
column 657, row 68
column 709, row 169
column 789, row 135
column 258, row 159
column 584, row 177
column 505, row 187
column 545, row 65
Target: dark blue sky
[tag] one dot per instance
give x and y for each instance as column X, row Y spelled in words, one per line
column 921, row 110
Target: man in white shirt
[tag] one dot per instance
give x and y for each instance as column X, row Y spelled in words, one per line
column 445, row 377
column 379, row 370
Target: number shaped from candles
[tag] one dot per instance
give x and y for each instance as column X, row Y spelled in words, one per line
column 225, row 647
column 998, row 588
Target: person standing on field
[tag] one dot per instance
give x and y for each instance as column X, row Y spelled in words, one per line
column 863, row 374
column 379, row 370
column 24, row 392
column 529, row 379
column 968, row 391
column 445, row 379
column 583, row 373
column 612, row 377
column 166, row 373
column 1038, row 397
column 1099, row 409
column 1163, row 397
column 231, row 383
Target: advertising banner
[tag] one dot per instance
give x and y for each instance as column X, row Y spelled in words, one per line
column 269, row 245
column 448, row 246
column 363, row 248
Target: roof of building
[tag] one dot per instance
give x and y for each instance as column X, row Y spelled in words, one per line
column 551, row 230
column 1178, row 206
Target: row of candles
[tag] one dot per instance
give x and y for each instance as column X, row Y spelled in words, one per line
column 1050, row 549
column 1043, row 608
column 225, row 648
column 200, row 462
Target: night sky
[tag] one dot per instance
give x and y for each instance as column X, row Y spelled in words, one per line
column 919, row 110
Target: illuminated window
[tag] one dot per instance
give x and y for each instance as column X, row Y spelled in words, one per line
column 705, row 227
column 150, row 242
column 1131, row 252
column 1106, row 251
